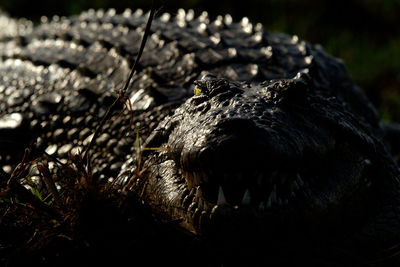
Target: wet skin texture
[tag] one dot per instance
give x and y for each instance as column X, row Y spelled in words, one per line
column 277, row 144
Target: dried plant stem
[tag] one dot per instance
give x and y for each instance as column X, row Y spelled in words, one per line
column 122, row 92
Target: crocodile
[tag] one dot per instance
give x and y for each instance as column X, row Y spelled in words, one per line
column 246, row 134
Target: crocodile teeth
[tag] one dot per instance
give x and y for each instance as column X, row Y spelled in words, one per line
column 299, row 180
column 261, row 206
column 221, row 197
column 246, row 198
column 273, row 195
column 296, row 185
column 269, row 201
column 199, row 193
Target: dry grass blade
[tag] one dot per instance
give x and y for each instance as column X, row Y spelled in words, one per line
column 21, row 168
column 48, row 180
column 20, row 194
column 84, row 174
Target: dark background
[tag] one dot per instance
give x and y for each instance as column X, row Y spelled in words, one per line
column 364, row 33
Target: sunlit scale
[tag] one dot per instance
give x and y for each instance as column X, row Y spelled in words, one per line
column 138, row 12
column 190, row 15
column 165, row 17
column 228, row 19
column 10, row 120
column 202, row 28
column 127, row 13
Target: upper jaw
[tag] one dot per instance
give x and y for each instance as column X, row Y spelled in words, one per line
column 211, row 205
column 260, row 189
column 312, row 186
column 234, row 185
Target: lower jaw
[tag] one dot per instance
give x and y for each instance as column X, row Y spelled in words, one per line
column 239, row 222
column 244, row 223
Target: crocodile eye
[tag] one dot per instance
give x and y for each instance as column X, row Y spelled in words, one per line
column 200, row 95
column 197, row 90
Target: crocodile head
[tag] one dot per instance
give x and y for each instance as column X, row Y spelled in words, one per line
column 278, row 157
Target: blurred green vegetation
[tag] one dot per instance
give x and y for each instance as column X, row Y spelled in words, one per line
column 364, row 33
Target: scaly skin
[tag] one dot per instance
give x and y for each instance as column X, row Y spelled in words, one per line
column 279, row 142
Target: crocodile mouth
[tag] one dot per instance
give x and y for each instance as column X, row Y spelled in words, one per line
column 288, row 190
column 216, row 197
column 261, row 190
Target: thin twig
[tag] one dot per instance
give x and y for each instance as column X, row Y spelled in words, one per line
column 20, row 169
column 123, row 91
column 142, row 44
